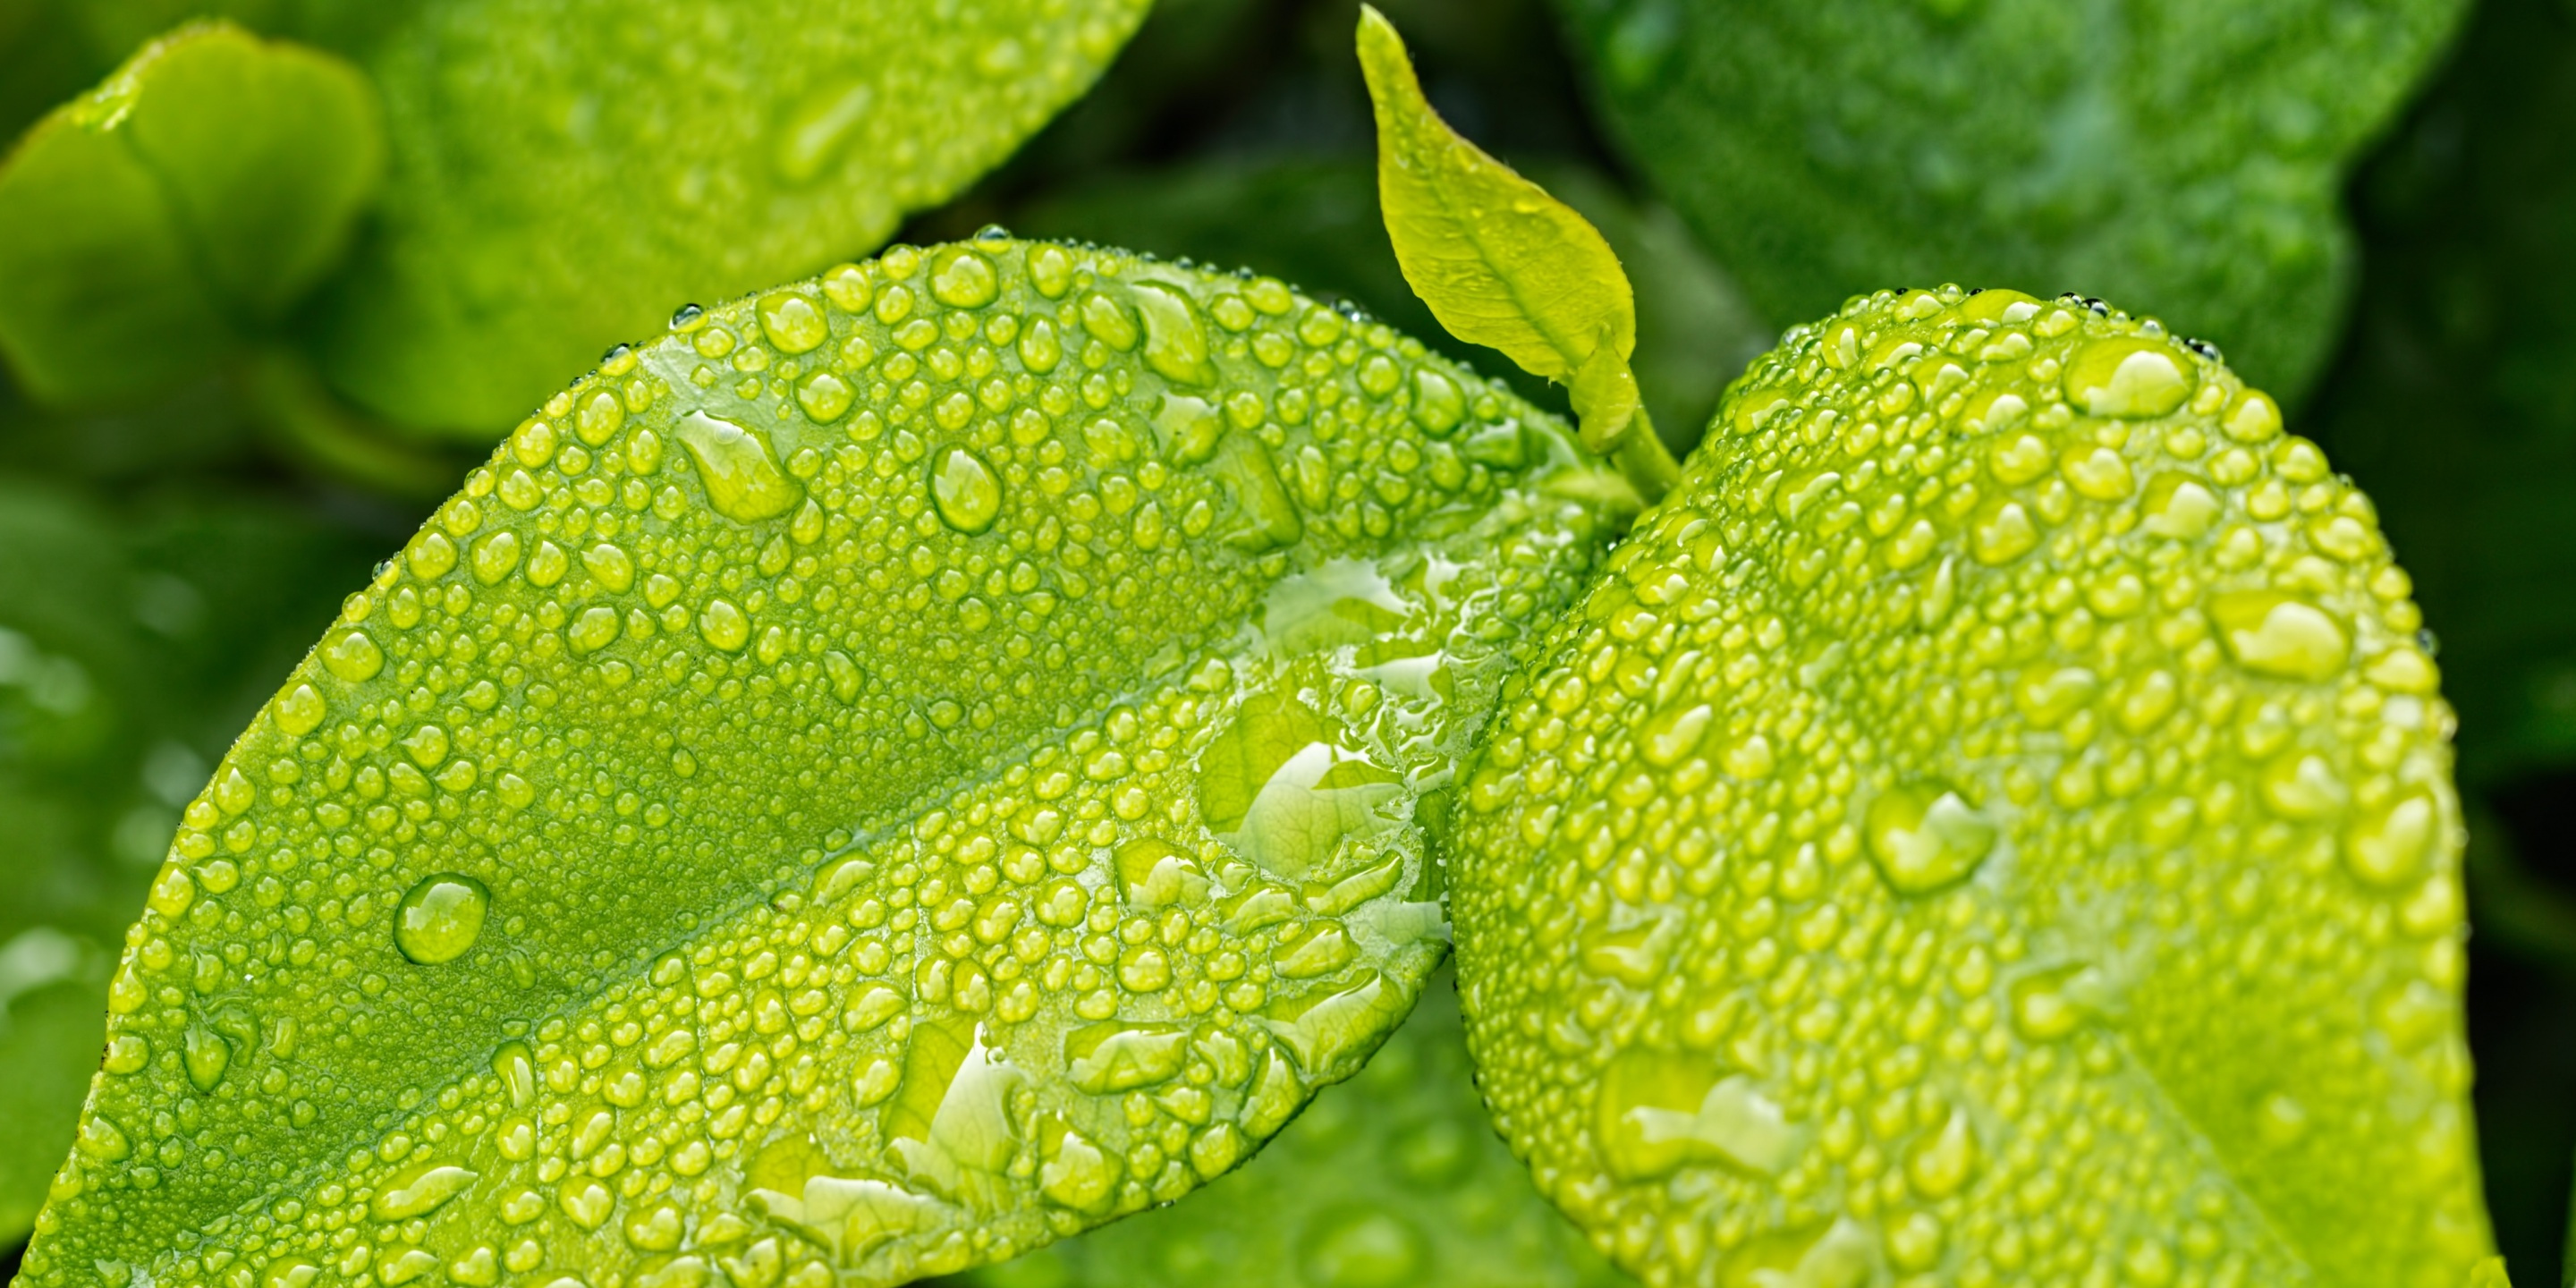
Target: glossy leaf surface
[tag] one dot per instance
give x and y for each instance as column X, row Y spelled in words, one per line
column 903, row 768
column 1994, row 821
column 1392, row 1178
column 197, row 193
column 2186, row 160
column 564, row 173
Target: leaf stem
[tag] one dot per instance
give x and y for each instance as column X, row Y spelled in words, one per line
column 1642, row 457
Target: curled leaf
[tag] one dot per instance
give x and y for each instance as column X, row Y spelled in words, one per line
column 903, row 768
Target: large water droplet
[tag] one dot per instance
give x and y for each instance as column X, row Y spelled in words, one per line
column 1924, row 836
column 965, row 491
column 743, row 481
column 1115, row 1055
column 2270, row 633
column 420, row 1190
column 1660, row 1112
column 2128, row 376
column 207, row 1055
column 961, row 278
column 440, row 918
column 353, row 656
column 953, row 1114
column 2387, row 848
column 1176, row 345
column 1276, row 787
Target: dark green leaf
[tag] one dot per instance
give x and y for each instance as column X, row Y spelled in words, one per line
column 129, row 651
column 2185, row 159
column 894, row 772
column 1394, row 1178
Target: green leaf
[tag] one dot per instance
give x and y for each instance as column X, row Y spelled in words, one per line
column 125, row 645
column 1994, row 814
column 1393, row 1178
column 759, row 826
column 564, row 174
column 195, row 195
column 1500, row 262
column 1314, row 221
column 2186, row 161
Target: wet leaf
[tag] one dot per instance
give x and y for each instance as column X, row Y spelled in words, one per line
column 1392, row 1178
column 2004, row 767
column 193, row 196
column 2186, row 161
column 1314, row 221
column 760, row 826
column 125, row 644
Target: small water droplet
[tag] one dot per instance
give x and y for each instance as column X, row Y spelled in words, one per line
column 440, row 918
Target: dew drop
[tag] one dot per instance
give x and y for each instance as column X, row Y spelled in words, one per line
column 2271, row 633
column 439, row 919
column 962, row 278
column 2132, row 377
column 1114, row 1055
column 2387, row 848
column 1923, row 836
column 207, row 1056
column 965, row 491
column 353, row 656
column 1176, row 345
column 1660, row 1112
column 792, row 322
column 743, row 481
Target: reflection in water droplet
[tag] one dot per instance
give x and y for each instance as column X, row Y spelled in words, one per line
column 1276, row 786
column 965, row 491
column 440, row 918
column 1923, row 836
column 743, row 482
column 1176, row 345
column 1660, row 1111
column 353, row 656
column 961, row 278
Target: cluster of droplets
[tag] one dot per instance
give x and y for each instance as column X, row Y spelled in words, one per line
column 1992, row 826
column 1393, row 1180
column 901, row 769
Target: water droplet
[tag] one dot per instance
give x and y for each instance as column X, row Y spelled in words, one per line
column 1278, row 789
column 824, row 396
column 1109, row 322
column 1674, row 733
column 1660, row 1111
column 1176, row 345
column 1942, row 1164
column 2271, row 633
column 353, row 656
column 420, row 1190
column 299, row 710
column 1924, row 836
column 1438, row 404
column 1154, row 873
column 1321, row 1028
column 952, row 1114
column 965, row 491
column 2128, row 376
column 1115, row 1055
column 2387, row 848
column 206, row 1055
column 1075, row 1173
column 962, row 278
column 792, row 321
column 439, row 919
column 724, row 625
column 743, row 481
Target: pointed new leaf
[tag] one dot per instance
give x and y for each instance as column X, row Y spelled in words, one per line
column 1500, row 262
column 201, row 190
column 900, row 769
column 2006, row 767
column 1391, row 1178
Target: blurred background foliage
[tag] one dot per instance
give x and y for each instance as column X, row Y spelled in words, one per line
column 2406, row 170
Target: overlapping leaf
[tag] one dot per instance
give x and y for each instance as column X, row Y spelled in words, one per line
column 898, row 770
column 2185, row 159
column 1392, row 1178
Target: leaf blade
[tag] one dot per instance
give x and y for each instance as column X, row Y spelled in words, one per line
column 887, row 706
